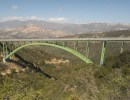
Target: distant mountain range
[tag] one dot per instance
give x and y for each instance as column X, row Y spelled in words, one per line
column 31, row 31
column 44, row 29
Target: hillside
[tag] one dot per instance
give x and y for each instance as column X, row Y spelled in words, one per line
column 31, row 31
column 62, row 81
column 48, row 73
column 69, row 28
column 44, row 29
column 120, row 33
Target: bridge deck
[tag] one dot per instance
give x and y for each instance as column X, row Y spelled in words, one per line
column 71, row 39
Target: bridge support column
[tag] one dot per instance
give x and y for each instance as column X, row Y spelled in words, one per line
column 1, row 48
column 64, row 44
column 87, row 49
column 55, row 43
column 13, row 46
column 9, row 47
column 103, row 53
column 16, row 44
column 4, row 51
column 75, row 46
column 122, row 47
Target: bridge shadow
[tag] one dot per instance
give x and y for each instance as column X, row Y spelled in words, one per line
column 22, row 62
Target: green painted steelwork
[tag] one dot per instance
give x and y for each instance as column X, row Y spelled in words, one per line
column 103, row 53
column 11, row 46
column 53, row 45
column 75, row 45
column 87, row 49
column 6, row 50
column 122, row 47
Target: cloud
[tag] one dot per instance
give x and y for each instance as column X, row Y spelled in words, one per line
column 14, row 7
column 62, row 19
column 11, row 18
column 22, row 18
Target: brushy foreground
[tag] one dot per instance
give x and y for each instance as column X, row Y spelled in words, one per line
column 68, row 81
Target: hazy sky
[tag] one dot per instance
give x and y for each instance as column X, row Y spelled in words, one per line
column 78, row 11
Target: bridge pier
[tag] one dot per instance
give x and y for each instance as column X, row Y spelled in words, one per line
column 3, row 49
column 87, row 49
column 103, row 53
column 64, row 44
column 122, row 47
column 76, row 46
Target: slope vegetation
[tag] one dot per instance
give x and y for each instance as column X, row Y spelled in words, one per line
column 68, row 81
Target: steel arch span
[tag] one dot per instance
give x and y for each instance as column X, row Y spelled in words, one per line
column 77, row 54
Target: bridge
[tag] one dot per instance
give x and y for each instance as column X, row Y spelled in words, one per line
column 11, row 46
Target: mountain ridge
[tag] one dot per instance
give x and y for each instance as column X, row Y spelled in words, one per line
column 68, row 27
column 32, row 31
column 44, row 29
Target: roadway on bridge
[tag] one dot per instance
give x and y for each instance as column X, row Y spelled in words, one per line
column 72, row 39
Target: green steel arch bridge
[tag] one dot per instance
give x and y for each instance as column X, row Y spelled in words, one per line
column 11, row 46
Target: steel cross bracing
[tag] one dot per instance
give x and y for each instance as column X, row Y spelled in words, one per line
column 11, row 46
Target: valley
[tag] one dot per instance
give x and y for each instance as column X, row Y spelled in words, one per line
column 45, row 73
column 39, row 75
